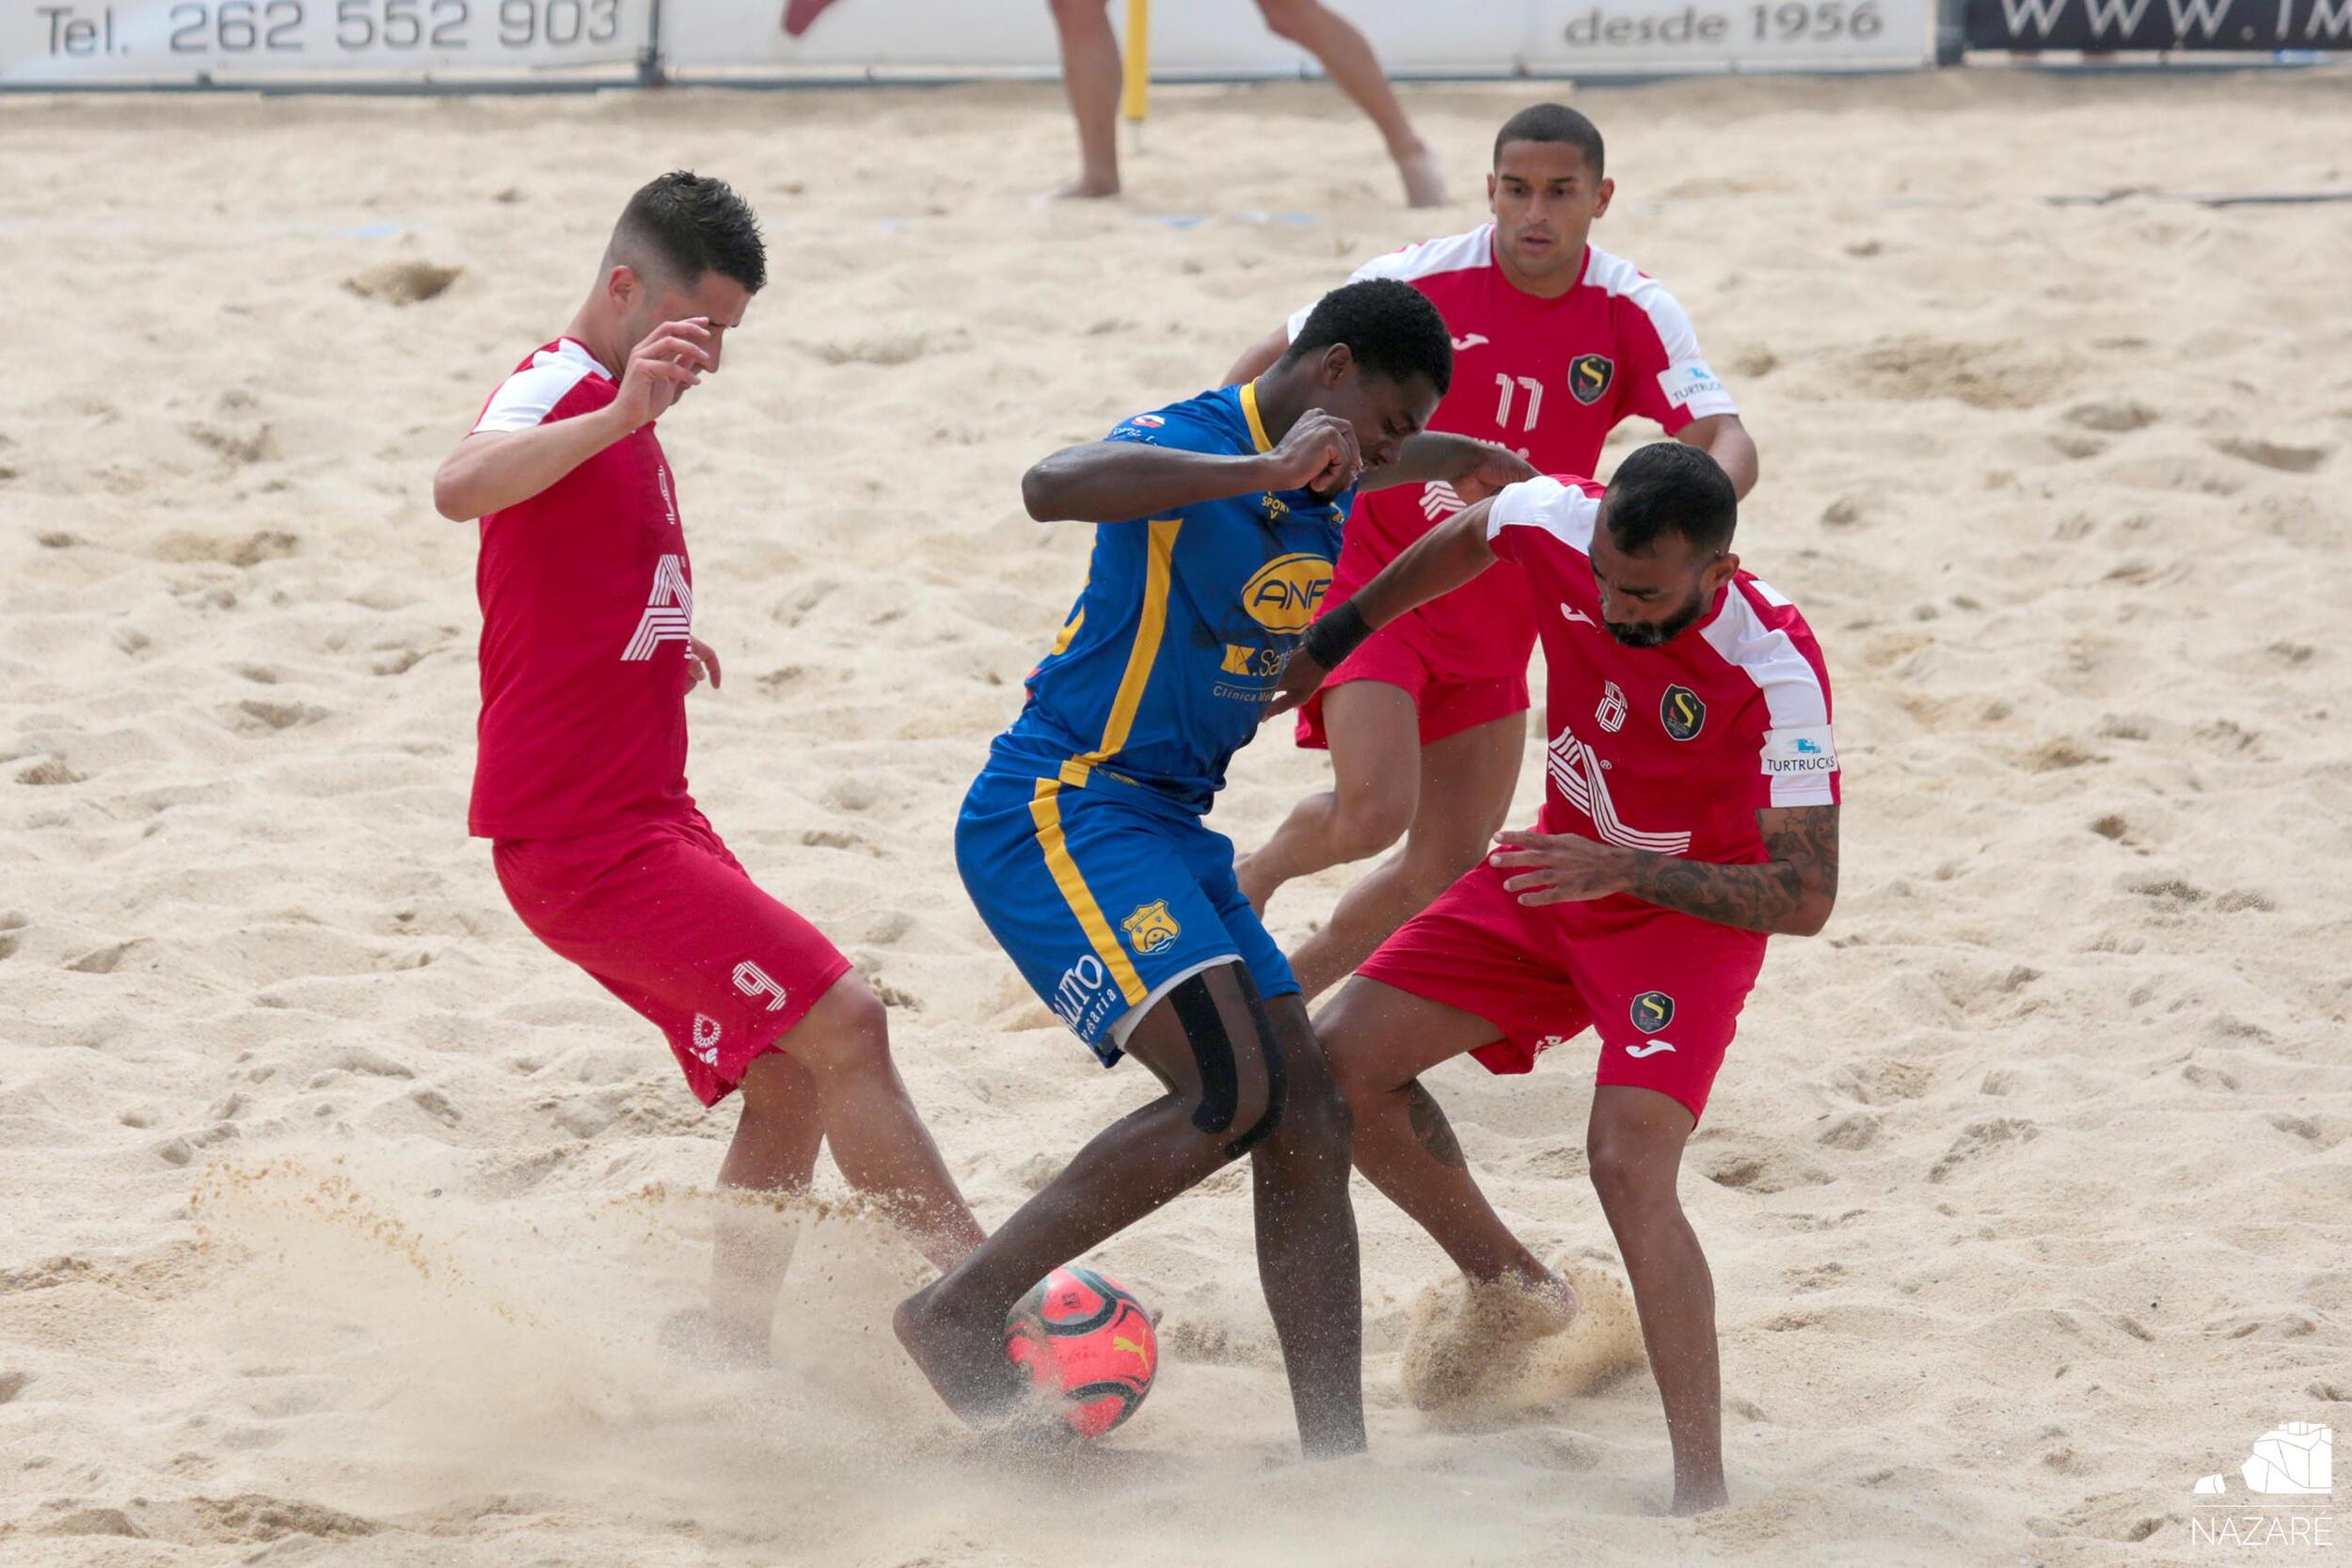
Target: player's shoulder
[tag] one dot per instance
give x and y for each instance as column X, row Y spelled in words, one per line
column 1559, row 509
column 1762, row 635
column 1627, row 284
column 553, row 381
column 1212, row 422
column 1428, row 260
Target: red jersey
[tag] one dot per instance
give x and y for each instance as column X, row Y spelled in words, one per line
column 1672, row 749
column 1549, row 378
column 587, row 597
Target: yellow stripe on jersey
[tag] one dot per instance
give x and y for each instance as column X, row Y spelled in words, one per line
column 1158, row 570
column 1061, row 644
column 1249, row 412
column 1045, row 811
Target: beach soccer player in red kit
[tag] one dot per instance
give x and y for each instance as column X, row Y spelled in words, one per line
column 1689, row 813
column 588, row 651
column 1556, row 342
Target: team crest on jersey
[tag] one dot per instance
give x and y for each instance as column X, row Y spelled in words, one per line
column 1151, row 928
column 1286, row 591
column 1652, row 1011
column 1589, row 375
column 1681, row 712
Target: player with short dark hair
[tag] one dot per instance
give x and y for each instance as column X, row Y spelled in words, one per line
column 1556, row 342
column 1692, row 811
column 1082, row 845
column 587, row 654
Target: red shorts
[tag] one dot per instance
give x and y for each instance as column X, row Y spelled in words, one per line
column 662, row 916
column 1663, row 990
column 1447, row 705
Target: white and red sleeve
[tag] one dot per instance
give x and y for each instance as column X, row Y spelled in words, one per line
column 1761, row 635
column 1415, row 265
column 1561, row 511
column 525, row 399
column 1673, row 383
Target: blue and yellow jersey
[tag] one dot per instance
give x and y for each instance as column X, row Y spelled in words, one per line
column 1187, row 619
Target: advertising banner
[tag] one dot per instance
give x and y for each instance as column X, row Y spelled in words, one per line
column 2258, row 26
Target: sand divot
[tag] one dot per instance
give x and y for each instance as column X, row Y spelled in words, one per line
column 1480, row 1353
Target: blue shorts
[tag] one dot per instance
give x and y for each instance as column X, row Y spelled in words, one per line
column 1102, row 902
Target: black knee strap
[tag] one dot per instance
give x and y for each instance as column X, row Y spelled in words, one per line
column 1212, row 1055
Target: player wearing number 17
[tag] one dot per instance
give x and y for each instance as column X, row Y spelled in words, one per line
column 588, row 651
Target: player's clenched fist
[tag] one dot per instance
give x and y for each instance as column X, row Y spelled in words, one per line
column 1319, row 454
column 672, row 358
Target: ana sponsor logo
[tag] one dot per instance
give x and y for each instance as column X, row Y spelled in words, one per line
column 1286, row 591
column 1151, row 928
column 1612, row 709
column 1589, row 375
column 1583, row 780
column 1681, row 712
column 1652, row 1011
column 669, row 611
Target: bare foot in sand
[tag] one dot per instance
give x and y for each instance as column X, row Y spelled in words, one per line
column 1424, row 184
column 1491, row 1350
column 963, row 1356
column 1093, row 185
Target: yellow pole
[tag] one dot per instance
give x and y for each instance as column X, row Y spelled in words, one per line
column 1135, row 101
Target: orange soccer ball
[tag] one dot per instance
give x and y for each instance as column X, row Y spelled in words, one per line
column 1084, row 1337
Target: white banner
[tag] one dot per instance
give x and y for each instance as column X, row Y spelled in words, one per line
column 1194, row 37
column 61, row 41
column 45, row 42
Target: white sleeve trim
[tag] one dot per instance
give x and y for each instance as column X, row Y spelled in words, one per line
column 1563, row 511
column 1426, row 259
column 530, row 394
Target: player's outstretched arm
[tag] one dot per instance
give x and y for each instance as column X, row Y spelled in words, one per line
column 1120, row 481
column 1789, row 895
column 1437, row 562
column 1475, row 469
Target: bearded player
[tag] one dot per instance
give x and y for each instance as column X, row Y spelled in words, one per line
column 587, row 654
column 1556, row 342
column 1082, row 845
column 1691, row 813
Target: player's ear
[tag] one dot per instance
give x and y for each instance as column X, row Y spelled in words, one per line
column 621, row 286
column 1719, row 571
column 1600, row 198
column 1490, row 194
column 1337, row 362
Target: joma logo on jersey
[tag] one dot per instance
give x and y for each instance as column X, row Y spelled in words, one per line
column 669, row 611
column 1286, row 593
column 1151, row 928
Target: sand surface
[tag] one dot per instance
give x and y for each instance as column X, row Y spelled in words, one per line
column 336, row 1215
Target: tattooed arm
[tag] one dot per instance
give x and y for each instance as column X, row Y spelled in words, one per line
column 1789, row 895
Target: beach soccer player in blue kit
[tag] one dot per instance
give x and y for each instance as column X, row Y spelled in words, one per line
column 1082, row 845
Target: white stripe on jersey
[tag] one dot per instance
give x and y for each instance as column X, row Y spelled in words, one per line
column 1792, row 691
column 1453, row 253
column 1563, row 511
column 525, row 399
column 669, row 611
column 1576, row 767
column 1687, row 381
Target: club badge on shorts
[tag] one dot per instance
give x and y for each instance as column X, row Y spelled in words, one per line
column 1589, row 375
column 1151, row 928
column 1652, row 1011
